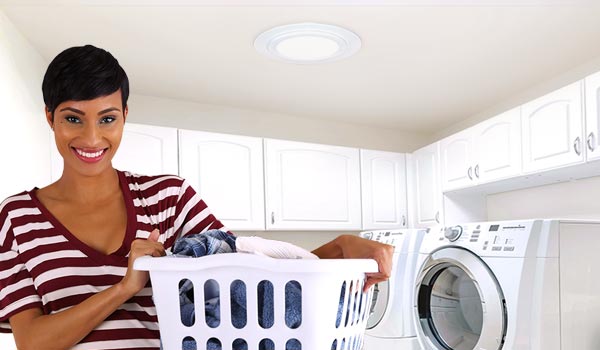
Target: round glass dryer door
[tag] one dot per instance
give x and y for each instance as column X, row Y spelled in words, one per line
column 379, row 303
column 460, row 305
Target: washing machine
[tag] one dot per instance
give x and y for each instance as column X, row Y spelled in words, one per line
column 514, row 285
column 390, row 324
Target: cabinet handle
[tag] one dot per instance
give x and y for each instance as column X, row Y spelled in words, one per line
column 272, row 217
column 437, row 217
column 591, row 141
column 477, row 171
column 403, row 220
column 577, row 146
column 470, row 173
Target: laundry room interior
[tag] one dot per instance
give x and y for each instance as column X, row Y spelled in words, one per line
column 464, row 133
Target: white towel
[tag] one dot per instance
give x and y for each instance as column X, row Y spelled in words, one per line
column 271, row 248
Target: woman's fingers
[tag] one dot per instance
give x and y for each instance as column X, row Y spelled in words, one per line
column 154, row 235
column 141, row 247
column 360, row 248
column 136, row 280
column 372, row 279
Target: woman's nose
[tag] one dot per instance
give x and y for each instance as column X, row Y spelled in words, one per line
column 91, row 134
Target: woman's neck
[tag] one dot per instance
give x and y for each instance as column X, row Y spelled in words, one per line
column 77, row 188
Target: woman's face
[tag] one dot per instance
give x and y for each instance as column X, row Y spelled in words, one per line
column 88, row 133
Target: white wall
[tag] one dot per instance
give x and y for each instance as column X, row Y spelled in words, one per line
column 24, row 137
column 213, row 118
column 575, row 199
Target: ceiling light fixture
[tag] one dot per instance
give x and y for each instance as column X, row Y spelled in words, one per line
column 307, row 43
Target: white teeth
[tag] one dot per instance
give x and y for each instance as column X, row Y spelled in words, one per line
column 89, row 155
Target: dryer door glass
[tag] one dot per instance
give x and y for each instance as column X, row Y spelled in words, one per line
column 456, row 309
column 379, row 303
column 460, row 305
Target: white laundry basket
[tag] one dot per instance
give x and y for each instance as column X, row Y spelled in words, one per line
column 334, row 310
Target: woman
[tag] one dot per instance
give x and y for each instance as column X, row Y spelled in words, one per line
column 66, row 277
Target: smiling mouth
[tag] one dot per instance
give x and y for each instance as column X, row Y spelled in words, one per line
column 90, row 157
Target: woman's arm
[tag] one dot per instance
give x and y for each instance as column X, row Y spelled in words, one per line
column 354, row 247
column 62, row 330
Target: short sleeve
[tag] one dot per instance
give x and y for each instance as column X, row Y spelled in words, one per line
column 192, row 213
column 17, row 292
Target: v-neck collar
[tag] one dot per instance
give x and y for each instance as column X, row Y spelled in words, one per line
column 130, row 229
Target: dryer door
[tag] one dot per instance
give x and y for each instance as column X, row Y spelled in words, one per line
column 380, row 303
column 383, row 291
column 459, row 304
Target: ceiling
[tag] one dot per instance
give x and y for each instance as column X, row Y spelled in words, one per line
column 420, row 68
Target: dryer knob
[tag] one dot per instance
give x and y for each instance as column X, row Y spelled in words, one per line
column 368, row 235
column 453, row 233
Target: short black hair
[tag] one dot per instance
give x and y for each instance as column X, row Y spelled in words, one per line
column 83, row 73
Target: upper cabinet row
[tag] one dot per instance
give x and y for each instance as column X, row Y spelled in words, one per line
column 251, row 183
column 256, row 184
column 488, row 151
column 553, row 131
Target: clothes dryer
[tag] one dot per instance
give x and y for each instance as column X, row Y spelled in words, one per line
column 511, row 285
column 390, row 324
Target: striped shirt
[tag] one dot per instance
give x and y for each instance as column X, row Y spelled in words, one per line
column 42, row 265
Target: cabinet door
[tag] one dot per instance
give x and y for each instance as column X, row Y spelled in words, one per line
column 227, row 172
column 311, row 187
column 592, row 116
column 456, row 161
column 144, row 149
column 497, row 143
column 428, row 196
column 552, row 129
column 148, row 150
column 383, row 183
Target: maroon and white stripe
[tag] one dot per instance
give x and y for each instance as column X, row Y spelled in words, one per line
column 44, row 266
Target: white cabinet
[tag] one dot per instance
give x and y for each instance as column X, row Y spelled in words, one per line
column 497, row 147
column 227, row 172
column 383, row 180
column 488, row 151
column 428, row 198
column 456, row 160
column 592, row 116
column 311, row 186
column 148, row 150
column 552, row 129
column 144, row 149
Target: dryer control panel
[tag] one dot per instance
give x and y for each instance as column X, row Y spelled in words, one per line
column 403, row 240
column 503, row 238
column 391, row 237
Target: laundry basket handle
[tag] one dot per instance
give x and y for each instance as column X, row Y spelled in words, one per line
column 173, row 263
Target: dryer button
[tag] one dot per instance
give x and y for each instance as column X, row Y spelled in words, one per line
column 453, row 233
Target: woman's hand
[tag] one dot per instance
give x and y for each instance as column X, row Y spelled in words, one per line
column 354, row 247
column 35, row 330
column 135, row 280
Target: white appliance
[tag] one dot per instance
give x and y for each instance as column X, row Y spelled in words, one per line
column 521, row 285
column 390, row 324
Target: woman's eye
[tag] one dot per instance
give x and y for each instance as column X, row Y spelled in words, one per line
column 72, row 119
column 107, row 120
